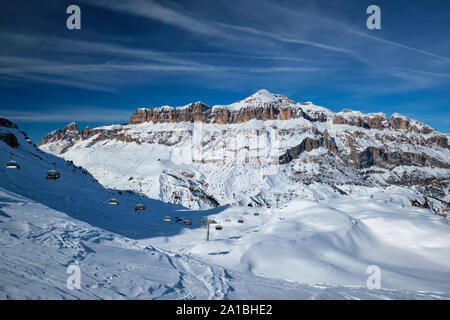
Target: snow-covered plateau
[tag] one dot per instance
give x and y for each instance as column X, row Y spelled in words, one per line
column 306, row 203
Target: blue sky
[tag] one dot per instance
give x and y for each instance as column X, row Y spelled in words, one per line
column 147, row 53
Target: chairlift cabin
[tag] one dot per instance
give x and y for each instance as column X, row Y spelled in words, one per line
column 53, row 174
column 12, row 164
column 241, row 221
column 139, row 207
column 228, row 220
column 113, row 202
column 256, row 214
column 167, row 219
column 187, row 223
column 219, row 227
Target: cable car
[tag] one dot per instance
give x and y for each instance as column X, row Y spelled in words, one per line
column 113, row 202
column 241, row 221
column 53, row 174
column 187, row 223
column 167, row 219
column 139, row 207
column 12, row 164
column 219, row 227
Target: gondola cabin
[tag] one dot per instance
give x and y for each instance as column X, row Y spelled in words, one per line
column 139, row 207
column 11, row 164
column 52, row 175
column 113, row 202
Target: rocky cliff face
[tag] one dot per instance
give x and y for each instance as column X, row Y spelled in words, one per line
column 307, row 143
column 8, row 137
column 275, row 108
column 379, row 121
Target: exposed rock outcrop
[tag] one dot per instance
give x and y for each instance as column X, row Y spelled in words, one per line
column 357, row 119
column 306, row 145
column 6, row 123
column 10, row 139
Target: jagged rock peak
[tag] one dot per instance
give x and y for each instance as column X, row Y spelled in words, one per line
column 71, row 127
column 69, row 132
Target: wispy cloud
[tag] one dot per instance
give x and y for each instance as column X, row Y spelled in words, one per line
column 400, row 45
column 336, row 24
column 68, row 113
column 287, row 38
column 235, row 46
column 155, row 11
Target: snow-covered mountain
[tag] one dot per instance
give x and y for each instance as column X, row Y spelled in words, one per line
column 263, row 150
column 306, row 248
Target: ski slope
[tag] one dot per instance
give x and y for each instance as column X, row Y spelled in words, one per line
column 37, row 244
column 304, row 249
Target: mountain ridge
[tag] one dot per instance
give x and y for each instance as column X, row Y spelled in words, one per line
column 306, row 143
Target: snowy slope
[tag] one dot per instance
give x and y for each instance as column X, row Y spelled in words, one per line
column 333, row 242
column 37, row 244
column 304, row 249
column 76, row 193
